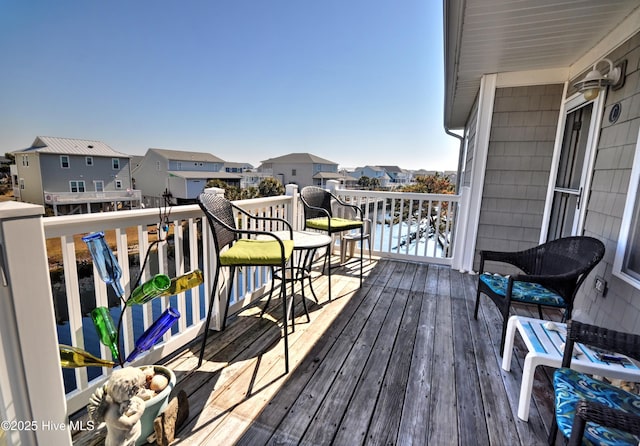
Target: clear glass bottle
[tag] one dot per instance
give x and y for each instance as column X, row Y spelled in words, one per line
column 72, row 357
column 106, row 329
column 154, row 287
column 154, row 332
column 104, row 261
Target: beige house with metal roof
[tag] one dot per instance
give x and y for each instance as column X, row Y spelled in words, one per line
column 303, row 169
column 73, row 176
column 180, row 174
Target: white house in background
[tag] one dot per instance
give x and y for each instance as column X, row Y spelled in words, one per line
column 73, row 176
column 398, row 177
column 180, row 175
column 303, row 169
column 376, row 172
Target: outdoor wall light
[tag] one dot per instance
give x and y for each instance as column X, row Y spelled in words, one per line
column 594, row 81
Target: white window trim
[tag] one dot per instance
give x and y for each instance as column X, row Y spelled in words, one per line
column 113, row 162
column 627, row 217
column 78, row 182
column 21, row 183
column 118, row 184
column 88, row 160
column 95, row 185
column 68, row 162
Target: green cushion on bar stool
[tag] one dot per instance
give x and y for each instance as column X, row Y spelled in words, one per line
column 337, row 224
column 256, row 252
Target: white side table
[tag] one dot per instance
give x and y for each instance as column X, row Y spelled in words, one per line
column 544, row 349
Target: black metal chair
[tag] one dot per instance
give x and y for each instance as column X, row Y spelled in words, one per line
column 553, row 272
column 589, row 411
column 318, row 215
column 243, row 252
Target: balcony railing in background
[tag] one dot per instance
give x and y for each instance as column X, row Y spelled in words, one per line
column 92, row 197
column 411, row 226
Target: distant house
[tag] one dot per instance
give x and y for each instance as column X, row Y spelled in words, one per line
column 179, row 175
column 398, row 177
column 303, row 169
column 373, row 172
column 73, row 176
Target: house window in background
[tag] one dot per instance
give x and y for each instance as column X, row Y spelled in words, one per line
column 64, row 161
column 99, row 185
column 25, row 160
column 88, row 160
column 626, row 264
column 115, row 163
column 76, row 186
column 21, row 181
column 118, row 184
column 293, row 172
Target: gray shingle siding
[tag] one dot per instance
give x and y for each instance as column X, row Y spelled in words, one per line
column 620, row 309
column 519, row 157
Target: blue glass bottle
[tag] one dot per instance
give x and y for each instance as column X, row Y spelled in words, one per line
column 154, row 332
column 104, row 261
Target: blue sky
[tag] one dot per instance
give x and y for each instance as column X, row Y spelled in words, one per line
column 354, row 81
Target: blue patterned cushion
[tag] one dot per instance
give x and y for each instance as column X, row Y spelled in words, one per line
column 571, row 386
column 531, row 293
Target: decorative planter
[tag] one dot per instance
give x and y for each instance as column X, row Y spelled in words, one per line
column 155, row 405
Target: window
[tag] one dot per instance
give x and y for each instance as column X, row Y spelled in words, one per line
column 21, row 183
column 64, row 161
column 115, row 163
column 25, row 160
column 118, row 184
column 293, row 172
column 88, row 160
column 158, row 165
column 626, row 264
column 76, row 185
column 98, row 185
column 178, row 165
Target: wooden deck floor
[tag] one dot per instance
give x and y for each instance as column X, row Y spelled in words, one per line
column 399, row 361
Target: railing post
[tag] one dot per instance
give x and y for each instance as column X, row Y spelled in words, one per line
column 462, row 254
column 333, row 185
column 292, row 214
column 30, row 373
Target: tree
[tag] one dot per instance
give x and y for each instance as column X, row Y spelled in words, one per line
column 270, row 187
column 364, row 182
column 430, row 184
column 230, row 192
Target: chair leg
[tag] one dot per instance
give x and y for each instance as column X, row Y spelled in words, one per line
column 273, row 281
column 206, row 324
column 540, row 311
column 553, row 430
column 475, row 313
column 232, row 274
column 361, row 252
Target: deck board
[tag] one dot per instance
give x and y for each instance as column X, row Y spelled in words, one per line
column 399, row 361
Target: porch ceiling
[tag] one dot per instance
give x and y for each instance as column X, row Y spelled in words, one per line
column 495, row 36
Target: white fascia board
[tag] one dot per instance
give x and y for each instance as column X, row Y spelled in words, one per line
column 532, row 77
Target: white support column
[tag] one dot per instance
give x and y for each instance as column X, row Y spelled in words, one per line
column 292, row 214
column 29, row 353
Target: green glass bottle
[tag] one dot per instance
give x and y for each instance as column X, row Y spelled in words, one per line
column 184, row 282
column 106, row 329
column 152, row 288
column 72, row 357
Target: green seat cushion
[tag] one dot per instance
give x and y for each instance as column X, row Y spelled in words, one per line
column 337, row 224
column 247, row 252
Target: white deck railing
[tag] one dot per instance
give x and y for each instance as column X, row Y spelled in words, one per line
column 409, row 226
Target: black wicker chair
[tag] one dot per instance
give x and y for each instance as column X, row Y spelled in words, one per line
column 243, row 252
column 591, row 411
column 553, row 272
column 318, row 215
